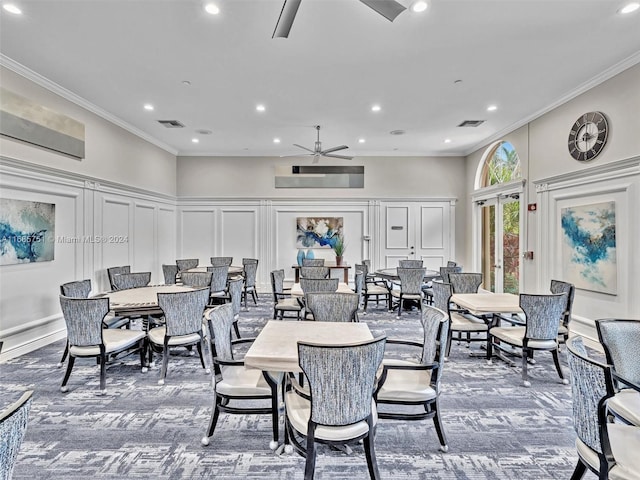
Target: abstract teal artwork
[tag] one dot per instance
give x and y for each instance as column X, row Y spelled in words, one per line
column 27, row 231
column 589, row 246
column 318, row 232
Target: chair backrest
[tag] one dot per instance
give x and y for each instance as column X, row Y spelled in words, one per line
column 558, row 286
column 83, row 317
column 235, row 292
column 621, row 342
column 79, row 289
column 361, row 267
column 435, row 328
column 332, row 306
column 358, row 282
column 590, row 387
column 314, row 272
column 543, row 314
column 196, row 279
column 116, row 271
column 277, row 283
column 250, row 269
column 451, row 263
column 183, row 310
column 13, row 425
column 411, row 280
column 220, row 323
column 169, row 272
column 219, row 276
column 187, row 263
column 219, row 261
column 410, row 263
column 246, row 261
column 123, row 281
column 311, row 285
column 442, row 295
column 465, row 282
column 445, row 271
column 341, row 379
column 313, row 262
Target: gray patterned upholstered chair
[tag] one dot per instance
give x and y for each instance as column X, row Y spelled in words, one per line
column 219, row 279
column 183, row 325
column 610, row 450
column 314, row 272
column 311, row 285
column 543, row 314
column 621, row 342
column 444, row 278
column 358, row 285
column 282, row 300
column 410, row 263
column 250, row 269
column 332, row 306
column 88, row 339
column 234, row 382
column 186, row 264
column 196, row 279
column 558, row 286
column 313, row 262
column 451, row 263
column 465, row 282
column 123, row 281
column 417, row 383
column 116, row 271
column 462, row 325
column 372, row 287
column 13, row 425
column 234, row 288
column 169, row 273
column 221, row 261
column 410, row 287
column 341, row 379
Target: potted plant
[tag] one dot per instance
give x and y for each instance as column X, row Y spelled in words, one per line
column 338, row 248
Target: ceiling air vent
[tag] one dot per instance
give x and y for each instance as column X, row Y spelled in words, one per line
column 171, row 123
column 471, row 123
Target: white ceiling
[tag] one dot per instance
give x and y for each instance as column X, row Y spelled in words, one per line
column 341, row 57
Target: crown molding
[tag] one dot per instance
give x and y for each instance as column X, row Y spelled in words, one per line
column 579, row 90
column 44, row 82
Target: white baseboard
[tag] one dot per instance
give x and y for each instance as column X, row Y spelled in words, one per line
column 32, row 345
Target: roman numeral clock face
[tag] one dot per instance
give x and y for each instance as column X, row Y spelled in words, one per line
column 588, row 136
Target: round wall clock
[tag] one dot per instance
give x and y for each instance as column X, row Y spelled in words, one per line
column 588, row 136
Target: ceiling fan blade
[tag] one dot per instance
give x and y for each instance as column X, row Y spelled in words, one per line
column 316, row 159
column 333, row 149
column 344, row 157
column 297, row 155
column 389, row 9
column 285, row 20
column 304, row 148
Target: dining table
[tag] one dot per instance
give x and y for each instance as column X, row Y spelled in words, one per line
column 331, row 266
column 140, row 301
column 391, row 274
column 233, row 271
column 296, row 289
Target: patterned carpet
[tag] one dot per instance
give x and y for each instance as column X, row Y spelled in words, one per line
column 496, row 428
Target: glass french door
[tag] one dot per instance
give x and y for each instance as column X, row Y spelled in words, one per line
column 501, row 243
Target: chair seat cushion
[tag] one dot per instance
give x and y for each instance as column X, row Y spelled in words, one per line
column 156, row 336
column 625, row 445
column 626, row 404
column 289, row 304
column 514, row 336
column 299, row 411
column 467, row 323
column 407, row 296
column 406, row 385
column 115, row 340
column 241, row 382
column 376, row 290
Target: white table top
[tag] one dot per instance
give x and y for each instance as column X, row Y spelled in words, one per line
column 296, row 290
column 276, row 347
column 233, row 270
column 485, row 303
column 143, row 297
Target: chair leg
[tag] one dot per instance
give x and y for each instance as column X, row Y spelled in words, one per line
column 165, row 363
column 525, row 378
column 199, row 347
column 64, row 354
column 556, row 360
column 212, row 424
column 254, row 294
column 489, row 347
column 399, row 306
column 275, row 314
column 370, row 452
column 143, row 354
column 437, row 422
column 310, row 466
column 63, row 387
column 579, row 471
column 103, row 374
column 449, row 340
column 237, row 330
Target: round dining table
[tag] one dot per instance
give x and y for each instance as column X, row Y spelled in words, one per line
column 140, row 301
column 392, row 274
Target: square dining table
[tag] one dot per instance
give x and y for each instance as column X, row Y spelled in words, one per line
column 484, row 304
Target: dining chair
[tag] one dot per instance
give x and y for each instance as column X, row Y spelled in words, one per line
column 462, row 325
column 283, row 302
column 543, row 314
column 610, row 450
column 124, row 281
column 465, row 282
column 444, row 277
column 373, row 287
column 340, row 407
column 234, row 383
column 558, row 286
column 88, row 339
column 234, row 290
column 183, row 313
column 250, row 266
column 332, row 306
column 112, row 271
column 311, row 285
column 410, row 288
column 314, row 272
column 13, row 426
column 221, row 261
column 219, row 281
column 169, row 272
column 186, row 264
column 406, row 383
column 196, row 279
column 313, row 262
column 410, row 263
column 620, row 340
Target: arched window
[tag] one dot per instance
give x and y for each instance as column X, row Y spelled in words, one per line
column 502, row 165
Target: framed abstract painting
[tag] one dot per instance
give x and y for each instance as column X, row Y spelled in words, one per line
column 318, row 232
column 589, row 246
column 27, row 231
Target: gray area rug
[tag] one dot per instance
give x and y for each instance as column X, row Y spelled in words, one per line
column 496, row 429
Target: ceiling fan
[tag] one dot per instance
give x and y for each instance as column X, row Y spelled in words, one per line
column 389, row 9
column 318, row 152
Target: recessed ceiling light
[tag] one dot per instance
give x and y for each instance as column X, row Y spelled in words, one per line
column 276, row 140
column 195, row 140
column 260, row 108
column 447, row 140
column 376, row 108
column 492, row 108
column 148, row 106
column 212, row 8
column 419, row 6
column 361, row 140
column 629, row 7
column 11, row 8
